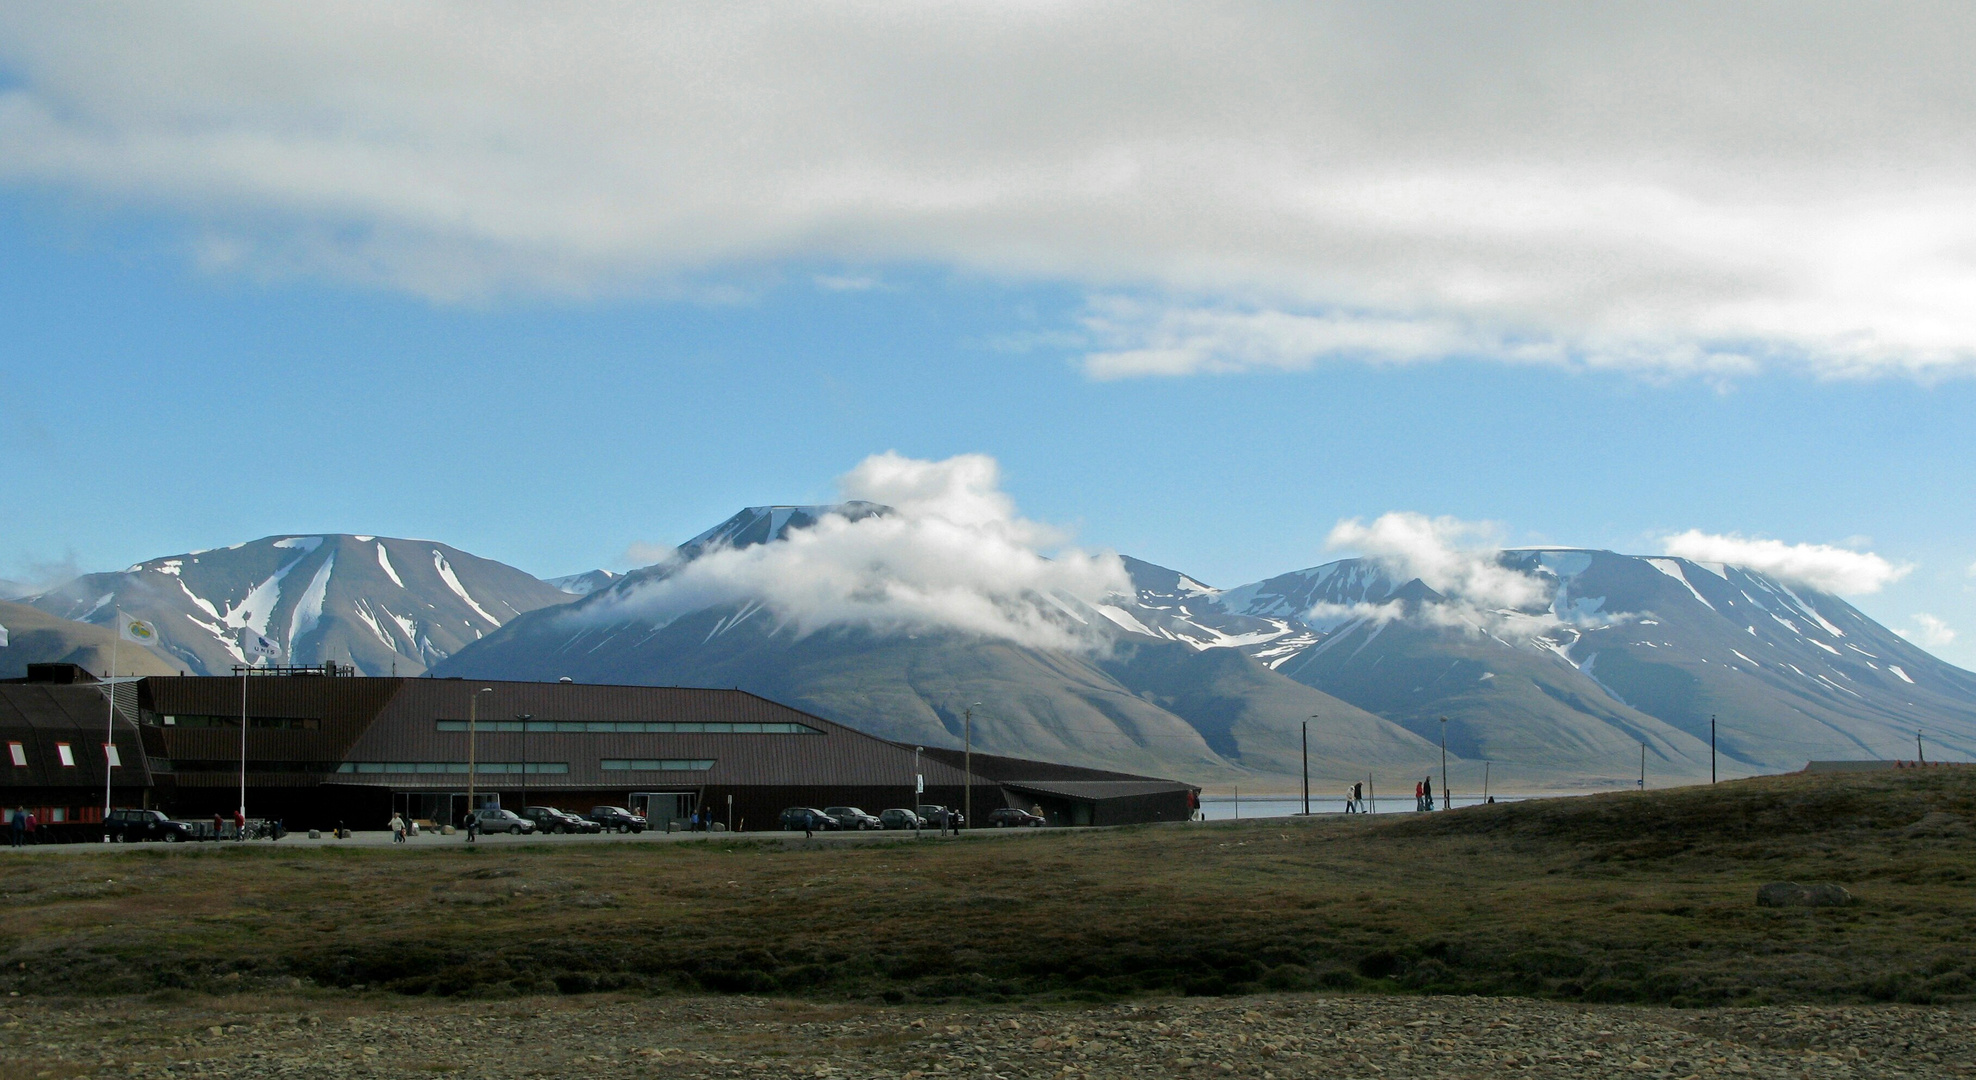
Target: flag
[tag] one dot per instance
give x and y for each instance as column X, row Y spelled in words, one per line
column 253, row 644
column 137, row 630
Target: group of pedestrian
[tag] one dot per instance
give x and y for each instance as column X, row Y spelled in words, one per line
column 239, row 825
column 1355, row 799
column 1423, row 794
column 22, row 824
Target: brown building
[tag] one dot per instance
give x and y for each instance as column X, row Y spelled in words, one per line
column 324, row 747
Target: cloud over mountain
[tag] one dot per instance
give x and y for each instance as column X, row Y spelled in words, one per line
column 951, row 554
column 1459, row 560
column 1670, row 188
column 1821, row 566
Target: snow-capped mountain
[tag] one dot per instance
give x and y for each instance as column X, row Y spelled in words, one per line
column 1629, row 649
column 1140, row 703
column 586, row 583
column 379, row 603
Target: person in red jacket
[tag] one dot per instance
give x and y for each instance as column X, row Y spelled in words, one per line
column 240, row 824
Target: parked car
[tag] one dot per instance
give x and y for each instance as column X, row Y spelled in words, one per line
column 493, row 820
column 548, row 819
column 940, row 817
column 900, row 819
column 807, row 818
column 617, row 818
column 850, row 817
column 127, row 825
column 1009, row 817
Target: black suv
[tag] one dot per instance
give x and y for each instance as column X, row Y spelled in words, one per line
column 1009, row 817
column 808, row 819
column 129, row 825
column 548, row 819
column 942, row 818
column 616, row 818
column 852, row 818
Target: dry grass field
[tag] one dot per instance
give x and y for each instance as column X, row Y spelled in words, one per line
column 1611, row 898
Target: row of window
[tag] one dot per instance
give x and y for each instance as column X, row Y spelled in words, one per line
column 64, row 753
column 453, row 767
column 532, row 767
column 636, row 727
column 657, row 764
column 269, row 723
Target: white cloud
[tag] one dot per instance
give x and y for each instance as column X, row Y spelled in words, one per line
column 1667, row 188
column 954, row 555
column 1929, row 631
column 640, row 553
column 1459, row 560
column 1819, row 566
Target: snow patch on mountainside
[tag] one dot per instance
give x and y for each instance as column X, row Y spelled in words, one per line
column 308, row 610
column 452, row 581
column 384, row 561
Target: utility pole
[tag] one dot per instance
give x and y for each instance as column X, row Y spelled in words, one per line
column 1920, row 756
column 524, row 718
column 1447, row 800
column 1711, row 748
column 1485, row 781
column 1643, row 766
column 473, row 719
column 1307, row 765
column 919, row 789
column 1370, row 794
column 967, row 758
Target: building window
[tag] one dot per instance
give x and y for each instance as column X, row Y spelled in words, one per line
column 66, row 755
column 634, row 727
column 657, row 764
column 18, row 753
column 259, row 723
column 371, row 768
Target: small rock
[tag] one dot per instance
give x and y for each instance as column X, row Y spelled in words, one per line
column 1792, row 894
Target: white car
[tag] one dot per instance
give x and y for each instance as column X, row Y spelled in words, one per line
column 493, row 821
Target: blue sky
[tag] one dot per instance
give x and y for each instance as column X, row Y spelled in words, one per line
column 407, row 335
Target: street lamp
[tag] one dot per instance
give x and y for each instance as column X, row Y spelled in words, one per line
column 524, row 718
column 473, row 717
column 913, row 803
column 1447, row 800
column 967, row 759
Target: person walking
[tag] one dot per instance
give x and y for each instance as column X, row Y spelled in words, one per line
column 397, row 828
column 1427, row 789
column 473, row 826
column 32, row 822
column 219, row 826
column 1358, row 795
column 19, row 822
column 1416, row 796
column 240, row 825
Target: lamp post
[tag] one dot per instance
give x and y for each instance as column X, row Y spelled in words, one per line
column 1307, row 764
column 1447, row 800
column 1711, row 748
column 967, row 759
column 473, row 718
column 913, row 802
column 524, row 718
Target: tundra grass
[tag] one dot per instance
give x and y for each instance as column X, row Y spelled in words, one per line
column 1609, row 898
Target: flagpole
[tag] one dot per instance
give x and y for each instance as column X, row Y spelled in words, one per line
column 243, row 737
column 110, row 725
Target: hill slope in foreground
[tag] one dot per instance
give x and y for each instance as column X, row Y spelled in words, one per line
column 1623, row 897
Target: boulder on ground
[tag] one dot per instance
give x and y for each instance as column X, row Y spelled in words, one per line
column 1792, row 894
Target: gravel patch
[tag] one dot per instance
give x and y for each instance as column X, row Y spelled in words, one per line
column 1270, row 1037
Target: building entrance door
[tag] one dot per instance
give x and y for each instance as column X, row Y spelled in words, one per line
column 437, row 807
column 661, row 807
